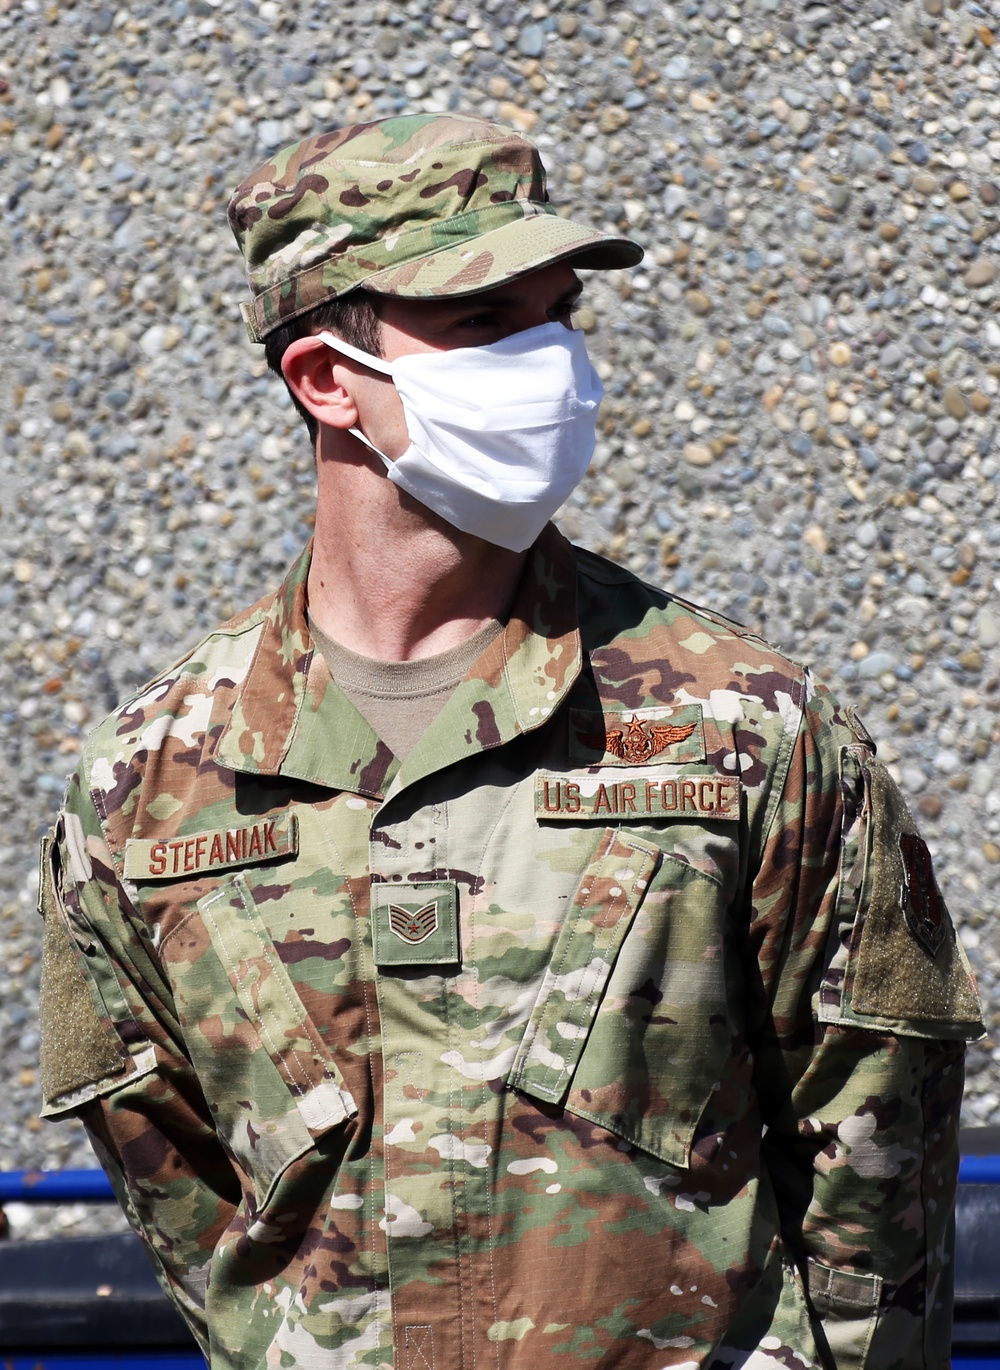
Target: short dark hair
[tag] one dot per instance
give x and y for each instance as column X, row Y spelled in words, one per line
column 356, row 317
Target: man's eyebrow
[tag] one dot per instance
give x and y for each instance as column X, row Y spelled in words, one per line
column 487, row 299
column 572, row 292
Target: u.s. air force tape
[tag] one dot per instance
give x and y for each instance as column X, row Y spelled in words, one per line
column 200, row 853
column 628, row 795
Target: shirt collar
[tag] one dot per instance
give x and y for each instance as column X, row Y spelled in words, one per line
column 290, row 719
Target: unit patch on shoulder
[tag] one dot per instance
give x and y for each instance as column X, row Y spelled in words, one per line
column 200, row 853
column 639, row 737
column 909, row 964
column 923, row 905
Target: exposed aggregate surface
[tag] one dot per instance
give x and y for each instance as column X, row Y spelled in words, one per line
column 803, row 377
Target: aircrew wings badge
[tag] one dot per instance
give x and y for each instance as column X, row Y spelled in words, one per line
column 664, row 734
column 639, row 740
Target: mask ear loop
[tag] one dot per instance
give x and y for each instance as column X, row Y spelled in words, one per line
column 355, row 353
column 387, row 462
column 376, row 364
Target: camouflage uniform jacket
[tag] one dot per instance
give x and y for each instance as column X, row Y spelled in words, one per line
column 621, row 1024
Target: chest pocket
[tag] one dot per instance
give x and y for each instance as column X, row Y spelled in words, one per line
column 630, row 1028
column 264, row 1068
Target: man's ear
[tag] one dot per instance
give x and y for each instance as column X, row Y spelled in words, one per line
column 314, row 374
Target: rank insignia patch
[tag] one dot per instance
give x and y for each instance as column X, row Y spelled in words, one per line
column 414, row 927
column 415, row 924
column 641, row 737
column 923, row 905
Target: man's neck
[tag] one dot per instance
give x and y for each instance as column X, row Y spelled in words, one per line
column 391, row 581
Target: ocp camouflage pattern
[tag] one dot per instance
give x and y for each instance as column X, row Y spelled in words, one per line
column 593, row 1089
column 418, row 205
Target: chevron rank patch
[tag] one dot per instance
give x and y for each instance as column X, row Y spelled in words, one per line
column 415, row 925
column 640, row 737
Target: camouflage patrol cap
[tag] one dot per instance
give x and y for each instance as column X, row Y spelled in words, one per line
column 419, row 206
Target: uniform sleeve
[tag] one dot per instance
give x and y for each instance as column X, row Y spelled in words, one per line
column 111, row 1054
column 863, row 1003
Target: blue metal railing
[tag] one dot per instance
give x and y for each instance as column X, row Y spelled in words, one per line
column 91, row 1186
column 54, row 1186
column 120, row 1360
column 979, row 1170
column 81, row 1186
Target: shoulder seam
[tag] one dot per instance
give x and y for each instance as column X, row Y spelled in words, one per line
column 783, row 761
column 591, row 564
column 176, row 670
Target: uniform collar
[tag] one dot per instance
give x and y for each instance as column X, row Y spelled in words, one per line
column 290, row 719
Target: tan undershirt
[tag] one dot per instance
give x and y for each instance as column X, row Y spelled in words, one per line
column 400, row 699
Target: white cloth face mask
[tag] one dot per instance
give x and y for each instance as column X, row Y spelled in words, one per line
column 499, row 434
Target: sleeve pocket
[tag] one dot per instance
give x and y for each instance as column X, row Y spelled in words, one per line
column 630, row 1028
column 263, row 1066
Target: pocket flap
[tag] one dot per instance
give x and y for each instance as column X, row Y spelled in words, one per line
column 609, row 895
column 271, row 1003
column 632, row 1026
column 847, row 1304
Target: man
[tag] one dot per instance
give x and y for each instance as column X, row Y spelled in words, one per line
column 470, row 955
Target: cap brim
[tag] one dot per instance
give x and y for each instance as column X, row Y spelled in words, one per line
column 502, row 254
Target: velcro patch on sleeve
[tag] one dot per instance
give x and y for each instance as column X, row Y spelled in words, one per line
column 78, row 1049
column 251, row 844
column 910, row 963
column 632, row 795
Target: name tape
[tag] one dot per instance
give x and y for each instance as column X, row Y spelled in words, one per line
column 682, row 796
column 219, row 848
